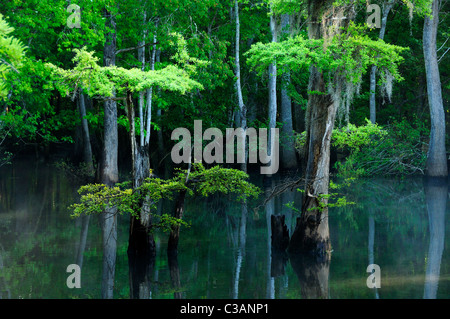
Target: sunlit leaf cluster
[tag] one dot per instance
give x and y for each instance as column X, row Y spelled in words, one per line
column 348, row 54
column 110, row 81
column 96, row 198
column 12, row 52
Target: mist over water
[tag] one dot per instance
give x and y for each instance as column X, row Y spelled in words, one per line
column 398, row 224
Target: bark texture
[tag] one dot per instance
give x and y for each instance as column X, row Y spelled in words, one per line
column 272, row 86
column 280, row 233
column 288, row 155
column 174, row 237
column 437, row 159
column 109, row 172
column 311, row 234
column 109, row 168
column 242, row 107
column 87, row 149
column 141, row 242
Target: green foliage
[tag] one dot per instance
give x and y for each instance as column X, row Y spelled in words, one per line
column 221, row 180
column 22, row 123
column 330, row 200
column 81, row 173
column 189, row 33
column 398, row 148
column 348, row 54
column 99, row 81
column 354, row 137
column 395, row 149
column 12, row 52
column 96, row 198
column 5, row 157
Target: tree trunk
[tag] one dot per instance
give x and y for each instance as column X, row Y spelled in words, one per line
column 141, row 244
column 172, row 246
column 280, row 233
column 174, row 237
column 437, row 160
column 242, row 107
column 109, row 173
column 160, row 137
column 243, row 125
column 373, row 71
column 141, row 58
column 288, row 156
column 141, row 241
column 87, row 149
column 109, row 170
column 272, row 85
column 311, row 233
column 149, row 92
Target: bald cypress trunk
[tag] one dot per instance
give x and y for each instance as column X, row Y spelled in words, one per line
column 109, row 173
column 311, row 233
column 174, row 237
column 141, row 242
column 437, row 159
column 109, row 167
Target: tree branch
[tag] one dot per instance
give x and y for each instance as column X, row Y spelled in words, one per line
column 135, row 48
column 10, row 65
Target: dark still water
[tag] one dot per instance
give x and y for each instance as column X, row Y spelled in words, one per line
column 397, row 224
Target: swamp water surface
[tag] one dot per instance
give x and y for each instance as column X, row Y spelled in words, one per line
column 398, row 224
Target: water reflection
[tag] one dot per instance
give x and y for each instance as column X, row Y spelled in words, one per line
column 312, row 272
column 241, row 248
column 109, row 236
column 175, row 278
column 141, row 271
column 228, row 251
column 371, row 243
column 436, row 192
column 83, row 238
column 313, row 275
column 270, row 211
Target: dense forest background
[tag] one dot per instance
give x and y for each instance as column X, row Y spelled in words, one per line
column 37, row 119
